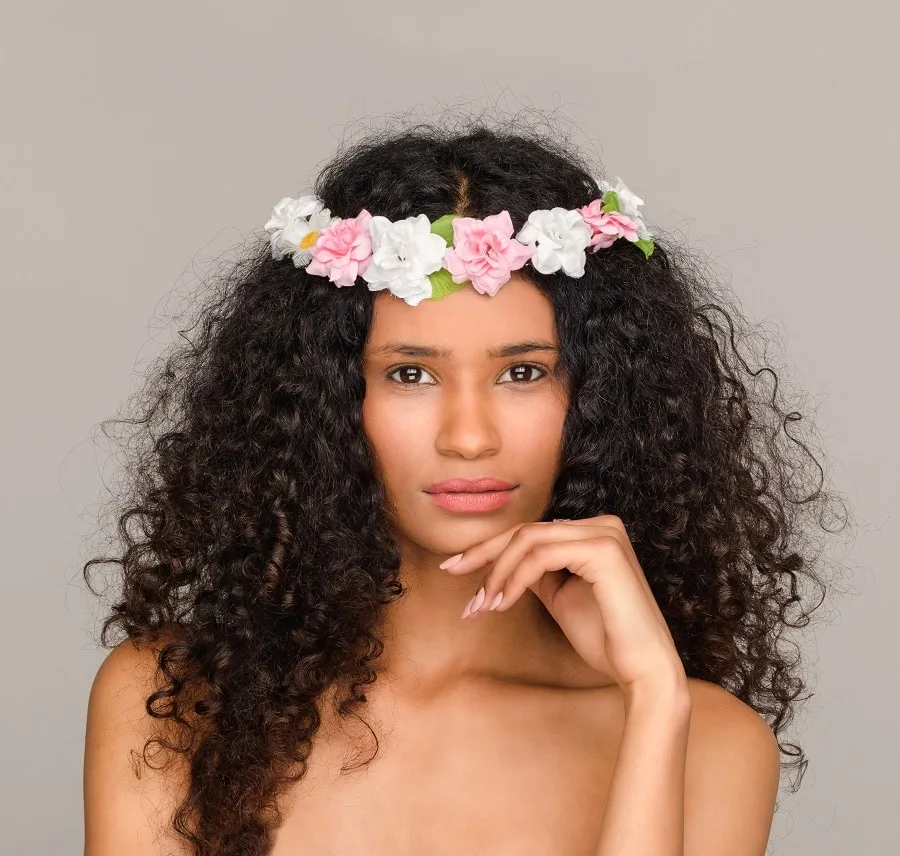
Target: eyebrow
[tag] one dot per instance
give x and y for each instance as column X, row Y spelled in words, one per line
column 511, row 350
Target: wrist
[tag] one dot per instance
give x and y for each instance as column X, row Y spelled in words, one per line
column 667, row 696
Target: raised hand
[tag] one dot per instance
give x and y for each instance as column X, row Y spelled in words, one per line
column 587, row 575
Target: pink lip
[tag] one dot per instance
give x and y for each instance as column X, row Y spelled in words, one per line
column 484, row 500
column 469, row 485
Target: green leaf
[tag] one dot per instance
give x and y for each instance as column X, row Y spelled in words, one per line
column 646, row 246
column 610, row 201
column 443, row 226
column 442, row 284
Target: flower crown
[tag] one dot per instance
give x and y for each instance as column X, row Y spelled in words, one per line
column 416, row 259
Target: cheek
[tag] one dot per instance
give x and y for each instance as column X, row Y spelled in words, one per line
column 540, row 438
column 396, row 435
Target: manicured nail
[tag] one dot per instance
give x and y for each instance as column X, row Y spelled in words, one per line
column 496, row 601
column 449, row 563
column 468, row 609
column 479, row 599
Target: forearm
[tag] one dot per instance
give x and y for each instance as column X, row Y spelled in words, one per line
column 644, row 813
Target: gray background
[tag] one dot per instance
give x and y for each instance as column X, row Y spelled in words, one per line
column 141, row 140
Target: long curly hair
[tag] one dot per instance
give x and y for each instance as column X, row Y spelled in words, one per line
column 253, row 538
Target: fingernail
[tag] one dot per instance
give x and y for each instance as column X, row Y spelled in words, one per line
column 465, row 612
column 449, row 563
column 496, row 601
column 479, row 599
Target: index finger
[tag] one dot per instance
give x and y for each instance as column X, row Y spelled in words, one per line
column 479, row 555
column 487, row 551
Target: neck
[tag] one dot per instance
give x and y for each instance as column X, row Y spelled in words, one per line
column 428, row 647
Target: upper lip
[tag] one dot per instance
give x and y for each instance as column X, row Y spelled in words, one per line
column 469, row 485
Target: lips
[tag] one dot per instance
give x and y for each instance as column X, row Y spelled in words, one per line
column 459, row 485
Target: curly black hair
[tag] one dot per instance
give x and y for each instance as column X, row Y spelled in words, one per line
column 254, row 538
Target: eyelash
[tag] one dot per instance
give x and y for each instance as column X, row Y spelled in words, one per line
column 394, row 370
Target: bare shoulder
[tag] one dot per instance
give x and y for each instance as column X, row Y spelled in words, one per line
column 732, row 774
column 128, row 804
column 717, row 714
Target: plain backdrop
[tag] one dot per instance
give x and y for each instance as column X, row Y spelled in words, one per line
column 141, row 140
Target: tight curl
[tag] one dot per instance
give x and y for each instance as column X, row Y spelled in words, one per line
column 254, row 537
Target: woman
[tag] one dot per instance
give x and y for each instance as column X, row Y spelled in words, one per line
column 312, row 662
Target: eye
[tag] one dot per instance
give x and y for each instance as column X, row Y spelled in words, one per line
column 409, row 370
column 529, row 367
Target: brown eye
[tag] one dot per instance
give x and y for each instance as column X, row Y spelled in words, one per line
column 407, row 374
column 527, row 368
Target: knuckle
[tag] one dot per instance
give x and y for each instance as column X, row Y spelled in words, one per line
column 543, row 548
column 608, row 544
column 525, row 532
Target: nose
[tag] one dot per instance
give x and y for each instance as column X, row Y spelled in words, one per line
column 468, row 425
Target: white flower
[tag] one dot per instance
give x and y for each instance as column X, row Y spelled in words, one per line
column 629, row 202
column 403, row 254
column 291, row 221
column 561, row 236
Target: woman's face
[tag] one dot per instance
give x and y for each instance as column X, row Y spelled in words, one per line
column 439, row 405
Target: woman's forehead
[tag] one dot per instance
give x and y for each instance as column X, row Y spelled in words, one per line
column 518, row 312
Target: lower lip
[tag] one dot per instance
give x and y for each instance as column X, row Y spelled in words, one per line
column 487, row 500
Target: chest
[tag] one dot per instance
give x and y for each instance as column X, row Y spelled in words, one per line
column 524, row 773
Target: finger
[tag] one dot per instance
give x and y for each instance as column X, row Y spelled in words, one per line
column 487, row 551
column 519, row 546
column 616, row 523
column 550, row 556
column 493, row 548
column 478, row 556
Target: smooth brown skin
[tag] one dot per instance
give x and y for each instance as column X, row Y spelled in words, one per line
column 495, row 737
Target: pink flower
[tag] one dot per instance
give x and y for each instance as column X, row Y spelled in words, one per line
column 485, row 252
column 607, row 227
column 343, row 250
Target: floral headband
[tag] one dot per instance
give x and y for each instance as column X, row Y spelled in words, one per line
column 416, row 259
